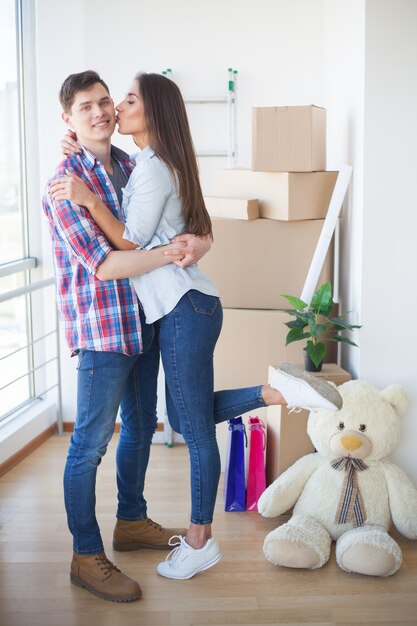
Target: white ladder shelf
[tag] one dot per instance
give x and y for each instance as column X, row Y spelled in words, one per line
column 230, row 100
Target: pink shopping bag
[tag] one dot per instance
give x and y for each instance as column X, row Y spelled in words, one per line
column 256, row 472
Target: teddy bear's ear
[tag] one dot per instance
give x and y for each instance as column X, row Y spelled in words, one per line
column 397, row 397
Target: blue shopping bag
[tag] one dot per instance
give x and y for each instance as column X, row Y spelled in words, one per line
column 234, row 480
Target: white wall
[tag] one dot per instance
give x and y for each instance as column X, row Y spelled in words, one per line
column 276, row 46
column 389, row 266
column 344, row 65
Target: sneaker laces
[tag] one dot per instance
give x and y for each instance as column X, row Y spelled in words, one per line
column 104, row 564
column 177, row 545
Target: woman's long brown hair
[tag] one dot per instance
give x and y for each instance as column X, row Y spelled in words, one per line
column 170, row 138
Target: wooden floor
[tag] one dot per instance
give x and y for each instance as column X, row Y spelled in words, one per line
column 242, row 589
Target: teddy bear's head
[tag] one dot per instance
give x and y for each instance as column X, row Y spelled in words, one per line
column 367, row 426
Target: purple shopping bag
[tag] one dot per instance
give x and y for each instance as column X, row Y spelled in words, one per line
column 234, row 479
column 256, row 471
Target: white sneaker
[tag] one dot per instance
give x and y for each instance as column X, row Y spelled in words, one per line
column 303, row 390
column 184, row 561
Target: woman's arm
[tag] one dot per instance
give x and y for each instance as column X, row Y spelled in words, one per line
column 151, row 185
column 72, row 188
column 109, row 224
column 151, row 188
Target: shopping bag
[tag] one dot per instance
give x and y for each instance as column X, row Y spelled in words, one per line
column 256, row 470
column 234, row 479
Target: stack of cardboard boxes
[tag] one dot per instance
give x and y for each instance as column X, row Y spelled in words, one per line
column 266, row 224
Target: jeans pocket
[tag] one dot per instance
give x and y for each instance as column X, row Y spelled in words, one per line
column 148, row 330
column 85, row 360
column 203, row 303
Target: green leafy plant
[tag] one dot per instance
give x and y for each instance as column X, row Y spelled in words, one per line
column 312, row 321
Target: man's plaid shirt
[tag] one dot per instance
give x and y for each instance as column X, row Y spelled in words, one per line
column 98, row 315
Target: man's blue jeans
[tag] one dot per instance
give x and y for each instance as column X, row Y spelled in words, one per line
column 188, row 336
column 107, row 380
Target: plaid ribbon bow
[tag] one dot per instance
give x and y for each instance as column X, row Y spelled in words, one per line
column 351, row 507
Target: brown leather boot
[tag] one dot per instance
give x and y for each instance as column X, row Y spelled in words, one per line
column 97, row 574
column 143, row 534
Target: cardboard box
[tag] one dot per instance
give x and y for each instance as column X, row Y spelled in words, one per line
column 254, row 262
column 287, row 438
column 289, row 139
column 334, row 373
column 250, row 340
column 233, row 208
column 281, row 195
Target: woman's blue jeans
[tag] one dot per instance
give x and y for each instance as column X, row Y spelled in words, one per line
column 188, row 336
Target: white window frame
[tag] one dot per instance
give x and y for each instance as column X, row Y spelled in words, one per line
column 44, row 392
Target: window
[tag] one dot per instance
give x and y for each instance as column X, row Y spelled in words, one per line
column 26, row 353
column 11, row 215
column 13, row 312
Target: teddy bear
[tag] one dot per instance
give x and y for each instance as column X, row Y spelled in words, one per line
column 348, row 490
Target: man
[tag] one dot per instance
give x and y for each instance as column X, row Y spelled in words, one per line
column 118, row 354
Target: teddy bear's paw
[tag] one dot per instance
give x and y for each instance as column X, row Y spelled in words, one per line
column 370, row 551
column 291, row 554
column 300, row 543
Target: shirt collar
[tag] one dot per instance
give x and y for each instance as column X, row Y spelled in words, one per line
column 90, row 160
column 120, row 155
column 146, row 153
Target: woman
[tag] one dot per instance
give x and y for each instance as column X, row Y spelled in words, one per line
column 163, row 198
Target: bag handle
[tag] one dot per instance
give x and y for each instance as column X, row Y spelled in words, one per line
column 255, row 423
column 241, row 427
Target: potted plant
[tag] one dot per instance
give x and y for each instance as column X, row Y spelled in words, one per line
column 311, row 322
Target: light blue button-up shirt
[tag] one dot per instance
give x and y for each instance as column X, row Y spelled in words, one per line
column 153, row 212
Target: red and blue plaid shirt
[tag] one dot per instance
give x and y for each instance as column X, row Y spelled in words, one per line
column 98, row 315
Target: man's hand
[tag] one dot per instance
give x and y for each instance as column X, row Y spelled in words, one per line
column 128, row 263
column 195, row 248
column 69, row 144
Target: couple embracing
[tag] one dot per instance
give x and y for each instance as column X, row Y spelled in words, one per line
column 127, row 233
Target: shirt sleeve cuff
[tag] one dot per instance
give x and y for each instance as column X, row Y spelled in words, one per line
column 129, row 236
column 95, row 255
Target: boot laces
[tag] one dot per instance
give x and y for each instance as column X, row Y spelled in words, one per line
column 153, row 524
column 104, row 564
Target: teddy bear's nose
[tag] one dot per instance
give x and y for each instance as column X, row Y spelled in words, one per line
column 350, row 442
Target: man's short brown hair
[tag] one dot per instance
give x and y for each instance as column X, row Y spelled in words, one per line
column 75, row 83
